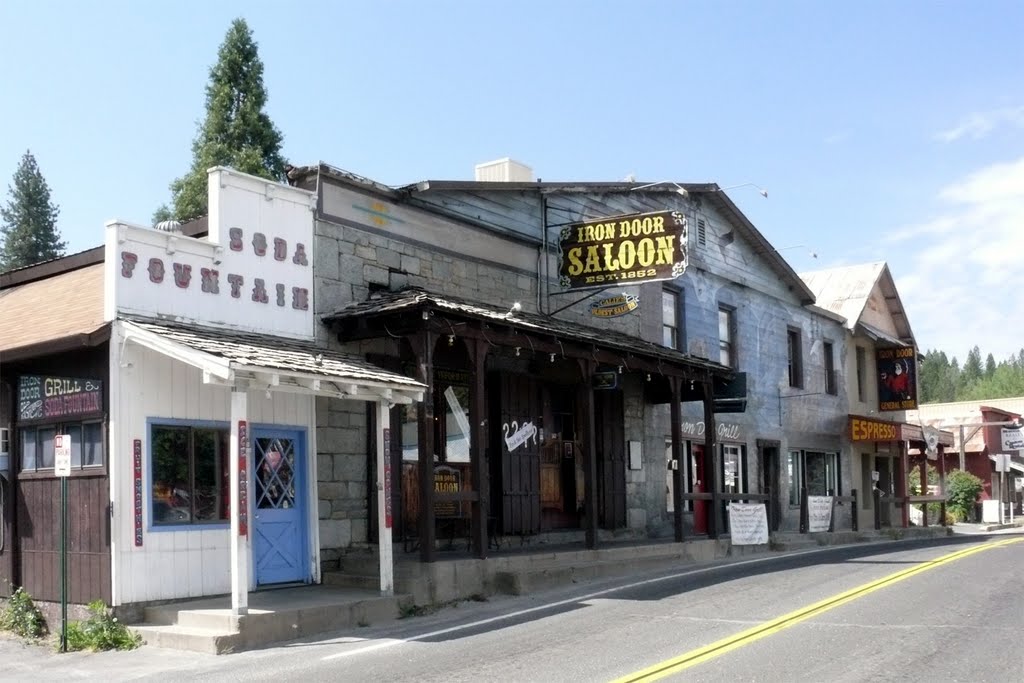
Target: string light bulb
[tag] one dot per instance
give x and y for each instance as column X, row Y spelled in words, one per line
column 648, row 377
column 451, row 339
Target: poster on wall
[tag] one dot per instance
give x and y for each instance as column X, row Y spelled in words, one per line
column 748, row 523
column 819, row 513
column 897, row 378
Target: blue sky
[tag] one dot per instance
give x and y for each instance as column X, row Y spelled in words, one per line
column 882, row 130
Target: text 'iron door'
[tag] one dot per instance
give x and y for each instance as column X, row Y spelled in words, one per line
column 280, row 542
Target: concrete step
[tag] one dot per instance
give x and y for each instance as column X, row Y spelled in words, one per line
column 173, row 636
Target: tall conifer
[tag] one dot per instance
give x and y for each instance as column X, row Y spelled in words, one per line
column 236, row 131
column 29, row 219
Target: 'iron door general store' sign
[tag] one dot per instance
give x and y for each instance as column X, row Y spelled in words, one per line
column 623, row 250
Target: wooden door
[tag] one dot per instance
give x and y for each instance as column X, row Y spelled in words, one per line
column 611, row 459
column 519, row 411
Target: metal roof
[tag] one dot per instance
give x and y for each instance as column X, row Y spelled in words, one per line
column 846, row 290
column 412, row 297
column 243, row 355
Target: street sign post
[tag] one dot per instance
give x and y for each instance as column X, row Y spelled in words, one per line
column 62, row 469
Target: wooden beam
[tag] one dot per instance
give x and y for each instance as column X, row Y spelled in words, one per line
column 710, row 460
column 478, row 447
column 424, row 349
column 585, row 392
column 677, row 456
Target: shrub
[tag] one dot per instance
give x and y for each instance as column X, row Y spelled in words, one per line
column 101, row 631
column 962, row 491
column 21, row 616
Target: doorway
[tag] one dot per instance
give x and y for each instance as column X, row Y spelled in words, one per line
column 883, row 465
column 279, row 530
column 770, row 483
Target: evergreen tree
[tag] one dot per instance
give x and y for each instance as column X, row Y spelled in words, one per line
column 29, row 220
column 990, row 366
column 236, row 131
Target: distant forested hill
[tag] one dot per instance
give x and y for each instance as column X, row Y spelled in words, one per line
column 942, row 380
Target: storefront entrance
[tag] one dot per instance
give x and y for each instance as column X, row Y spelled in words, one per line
column 279, row 534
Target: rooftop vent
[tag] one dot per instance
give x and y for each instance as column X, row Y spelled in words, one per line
column 503, row 171
column 168, row 226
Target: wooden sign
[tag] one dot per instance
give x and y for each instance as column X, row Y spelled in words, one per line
column 623, row 250
column 137, row 489
column 46, row 398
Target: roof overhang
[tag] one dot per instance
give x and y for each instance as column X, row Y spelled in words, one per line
column 259, row 362
column 876, row 334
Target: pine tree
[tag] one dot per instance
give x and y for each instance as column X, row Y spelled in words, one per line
column 236, row 131
column 29, row 220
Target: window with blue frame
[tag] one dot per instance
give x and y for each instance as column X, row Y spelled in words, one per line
column 190, row 474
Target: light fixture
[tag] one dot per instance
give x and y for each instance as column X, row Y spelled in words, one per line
column 648, row 377
column 691, row 385
column 620, row 369
column 267, row 393
column 451, row 339
column 760, row 190
column 516, row 307
column 810, row 252
column 680, row 190
column 517, row 352
column 552, row 358
column 425, row 315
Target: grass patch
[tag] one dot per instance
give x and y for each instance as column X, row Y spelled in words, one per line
column 101, row 631
column 21, row 616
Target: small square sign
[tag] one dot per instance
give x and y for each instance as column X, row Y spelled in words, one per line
column 62, row 455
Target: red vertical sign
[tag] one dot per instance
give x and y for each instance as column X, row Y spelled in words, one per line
column 137, row 490
column 243, row 479
column 387, row 478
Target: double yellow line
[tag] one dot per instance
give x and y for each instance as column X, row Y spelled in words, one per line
column 720, row 647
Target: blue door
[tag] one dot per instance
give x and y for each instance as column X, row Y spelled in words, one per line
column 279, row 530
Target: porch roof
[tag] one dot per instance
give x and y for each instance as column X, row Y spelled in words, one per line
column 233, row 358
column 523, row 322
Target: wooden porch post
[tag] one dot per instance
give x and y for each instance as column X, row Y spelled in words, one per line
column 425, row 429
column 710, row 469
column 241, row 466
column 478, row 449
column 924, row 486
column 942, row 484
column 384, row 512
column 904, row 458
column 586, row 394
column 677, row 456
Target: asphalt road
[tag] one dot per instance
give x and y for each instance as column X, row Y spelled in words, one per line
column 949, row 610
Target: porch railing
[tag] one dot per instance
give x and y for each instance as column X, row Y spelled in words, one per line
column 903, row 501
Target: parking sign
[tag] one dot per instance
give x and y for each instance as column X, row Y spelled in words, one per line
column 62, row 455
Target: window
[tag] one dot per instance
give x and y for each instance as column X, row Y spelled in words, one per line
column 831, row 385
column 5, row 440
column 862, row 369
column 794, row 348
column 795, row 478
column 818, row 471
column 727, row 336
column 191, row 475
column 670, row 314
column 733, row 469
column 37, row 445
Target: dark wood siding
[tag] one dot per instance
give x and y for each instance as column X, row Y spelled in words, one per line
column 611, row 459
column 518, row 401
column 34, row 544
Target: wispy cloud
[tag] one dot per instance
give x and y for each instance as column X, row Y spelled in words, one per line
column 960, row 272
column 980, row 124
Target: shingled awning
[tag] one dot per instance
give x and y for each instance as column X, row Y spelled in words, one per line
column 226, row 357
column 623, row 345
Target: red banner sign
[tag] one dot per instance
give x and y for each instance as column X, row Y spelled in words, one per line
column 387, row 478
column 137, row 490
column 243, row 479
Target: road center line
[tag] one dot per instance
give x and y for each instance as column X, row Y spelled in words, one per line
column 720, row 647
column 377, row 645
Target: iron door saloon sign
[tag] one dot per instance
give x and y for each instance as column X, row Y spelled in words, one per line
column 623, row 250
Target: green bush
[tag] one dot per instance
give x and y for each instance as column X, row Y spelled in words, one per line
column 21, row 616
column 101, row 631
column 962, row 491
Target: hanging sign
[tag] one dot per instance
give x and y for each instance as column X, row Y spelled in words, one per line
column 243, row 479
column 1013, row 439
column 819, row 513
column 623, row 250
column 614, row 306
column 387, row 479
column 897, row 381
column 137, row 489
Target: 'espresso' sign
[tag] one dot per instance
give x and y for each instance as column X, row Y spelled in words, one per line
column 862, row 429
column 623, row 249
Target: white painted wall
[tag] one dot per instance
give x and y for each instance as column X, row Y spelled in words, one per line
column 181, row 564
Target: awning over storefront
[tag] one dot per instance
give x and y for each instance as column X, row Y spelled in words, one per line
column 278, row 364
column 878, row 335
column 604, row 345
